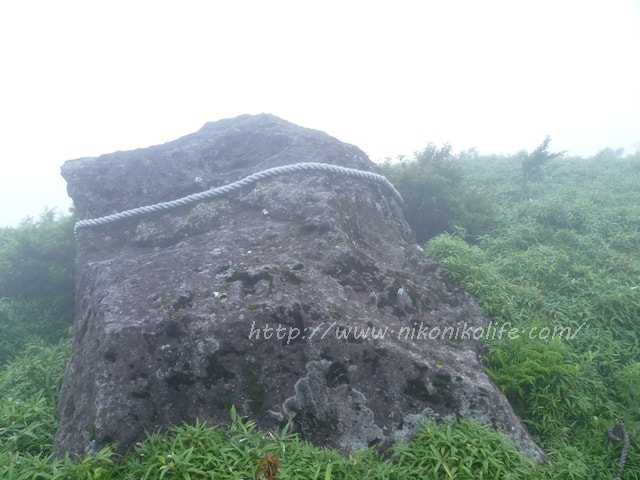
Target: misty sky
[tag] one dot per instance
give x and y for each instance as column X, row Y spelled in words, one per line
column 83, row 78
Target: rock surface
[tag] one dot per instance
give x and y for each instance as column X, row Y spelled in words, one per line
column 301, row 298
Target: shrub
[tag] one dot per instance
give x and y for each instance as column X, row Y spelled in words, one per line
column 37, row 262
column 531, row 163
column 436, row 198
column 37, row 282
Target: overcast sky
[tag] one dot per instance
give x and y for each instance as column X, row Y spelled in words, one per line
column 83, row 78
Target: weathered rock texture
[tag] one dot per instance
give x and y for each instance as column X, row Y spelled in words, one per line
column 302, row 298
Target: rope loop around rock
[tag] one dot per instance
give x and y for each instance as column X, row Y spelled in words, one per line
column 225, row 189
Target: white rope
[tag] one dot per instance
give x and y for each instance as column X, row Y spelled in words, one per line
column 224, row 189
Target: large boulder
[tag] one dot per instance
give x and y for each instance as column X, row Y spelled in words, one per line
column 300, row 298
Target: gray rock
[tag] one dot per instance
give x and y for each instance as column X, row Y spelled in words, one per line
column 301, row 298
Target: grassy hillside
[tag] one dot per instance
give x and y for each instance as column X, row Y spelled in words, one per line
column 562, row 256
column 555, row 262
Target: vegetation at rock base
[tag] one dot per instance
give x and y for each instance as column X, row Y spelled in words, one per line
column 559, row 262
column 456, row 449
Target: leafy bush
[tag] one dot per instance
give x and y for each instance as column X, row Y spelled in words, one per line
column 37, row 261
column 436, row 198
column 533, row 162
column 26, row 321
column 37, row 283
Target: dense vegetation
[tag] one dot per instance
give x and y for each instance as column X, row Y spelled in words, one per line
column 436, row 198
column 556, row 257
column 37, row 266
column 563, row 252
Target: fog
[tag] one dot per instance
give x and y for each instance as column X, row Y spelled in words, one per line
column 82, row 78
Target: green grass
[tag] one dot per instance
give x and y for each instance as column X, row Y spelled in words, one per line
column 563, row 253
column 456, row 449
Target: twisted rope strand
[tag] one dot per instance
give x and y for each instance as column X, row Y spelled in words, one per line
column 225, row 189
